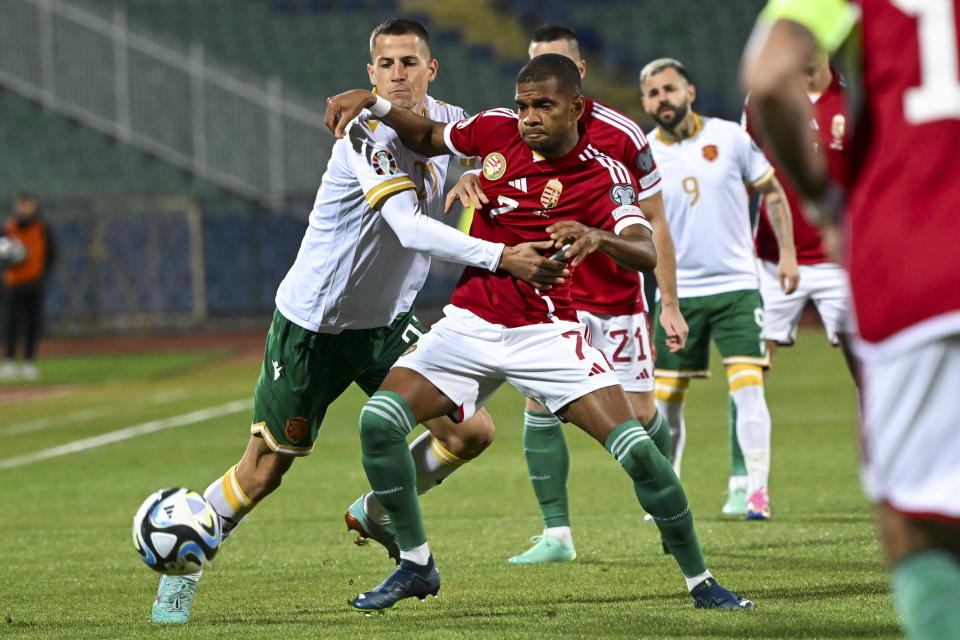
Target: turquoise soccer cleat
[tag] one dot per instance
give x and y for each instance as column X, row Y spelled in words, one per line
column 174, row 597
column 408, row 580
column 366, row 529
column 736, row 504
column 709, row 594
column 545, row 549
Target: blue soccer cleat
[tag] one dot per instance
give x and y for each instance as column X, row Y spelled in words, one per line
column 709, row 594
column 409, row 580
column 174, row 597
column 366, row 529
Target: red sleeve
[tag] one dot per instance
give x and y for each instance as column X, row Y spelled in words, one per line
column 480, row 134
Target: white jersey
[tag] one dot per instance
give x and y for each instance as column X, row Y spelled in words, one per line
column 351, row 271
column 707, row 206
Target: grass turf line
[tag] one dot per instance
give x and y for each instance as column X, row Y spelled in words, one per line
column 815, row 570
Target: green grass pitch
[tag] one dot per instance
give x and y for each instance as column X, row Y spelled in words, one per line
column 68, row 569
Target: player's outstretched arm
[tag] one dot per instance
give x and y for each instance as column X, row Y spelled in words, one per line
column 419, row 232
column 468, row 191
column 416, row 132
column 633, row 247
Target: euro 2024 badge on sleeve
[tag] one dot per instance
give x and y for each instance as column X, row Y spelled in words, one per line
column 383, row 162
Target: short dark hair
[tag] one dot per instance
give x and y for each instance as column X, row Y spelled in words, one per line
column 660, row 64
column 552, row 32
column 25, row 196
column 552, row 66
column 399, row 27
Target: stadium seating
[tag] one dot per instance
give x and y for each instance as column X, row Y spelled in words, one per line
column 48, row 154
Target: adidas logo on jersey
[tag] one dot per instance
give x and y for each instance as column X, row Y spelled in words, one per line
column 519, row 185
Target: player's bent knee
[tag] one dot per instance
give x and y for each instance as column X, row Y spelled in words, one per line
column 384, row 420
column 643, row 405
column 465, row 440
column 476, row 435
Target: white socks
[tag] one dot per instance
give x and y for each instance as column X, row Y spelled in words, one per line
column 753, row 434
column 418, row 555
column 561, row 533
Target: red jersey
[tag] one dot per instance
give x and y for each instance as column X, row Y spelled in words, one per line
column 830, row 123
column 526, row 194
column 602, row 285
column 904, row 232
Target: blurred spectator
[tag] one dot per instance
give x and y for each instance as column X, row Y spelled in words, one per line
column 24, row 279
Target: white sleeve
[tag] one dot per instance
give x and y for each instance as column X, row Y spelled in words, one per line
column 422, row 233
column 754, row 166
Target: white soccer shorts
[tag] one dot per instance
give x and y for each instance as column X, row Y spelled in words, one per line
column 825, row 283
column 911, row 428
column 625, row 341
column 468, row 358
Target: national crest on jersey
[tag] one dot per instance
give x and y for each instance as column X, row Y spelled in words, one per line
column 531, row 193
column 494, row 166
column 710, row 152
column 551, row 194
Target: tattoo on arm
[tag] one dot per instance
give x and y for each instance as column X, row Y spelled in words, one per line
column 779, row 213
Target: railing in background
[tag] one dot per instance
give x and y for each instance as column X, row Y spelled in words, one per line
column 245, row 135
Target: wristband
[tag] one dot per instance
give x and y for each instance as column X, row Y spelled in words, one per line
column 381, row 107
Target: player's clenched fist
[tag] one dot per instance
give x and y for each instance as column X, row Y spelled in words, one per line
column 344, row 107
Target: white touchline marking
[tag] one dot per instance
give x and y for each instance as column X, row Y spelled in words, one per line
column 128, row 432
column 80, row 415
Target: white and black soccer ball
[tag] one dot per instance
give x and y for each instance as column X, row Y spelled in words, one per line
column 12, row 250
column 176, row 531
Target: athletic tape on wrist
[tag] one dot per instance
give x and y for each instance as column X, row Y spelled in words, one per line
column 381, row 107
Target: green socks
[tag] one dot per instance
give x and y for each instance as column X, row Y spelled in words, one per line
column 926, row 590
column 737, row 465
column 659, row 432
column 660, row 494
column 385, row 421
column 549, row 465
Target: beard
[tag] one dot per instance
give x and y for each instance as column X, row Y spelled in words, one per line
column 679, row 113
column 547, row 147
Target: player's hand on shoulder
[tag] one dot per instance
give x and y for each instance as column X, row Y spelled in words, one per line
column 583, row 240
column 344, row 107
column 468, row 191
column 526, row 262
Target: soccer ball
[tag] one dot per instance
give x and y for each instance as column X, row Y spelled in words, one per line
column 11, row 250
column 176, row 531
